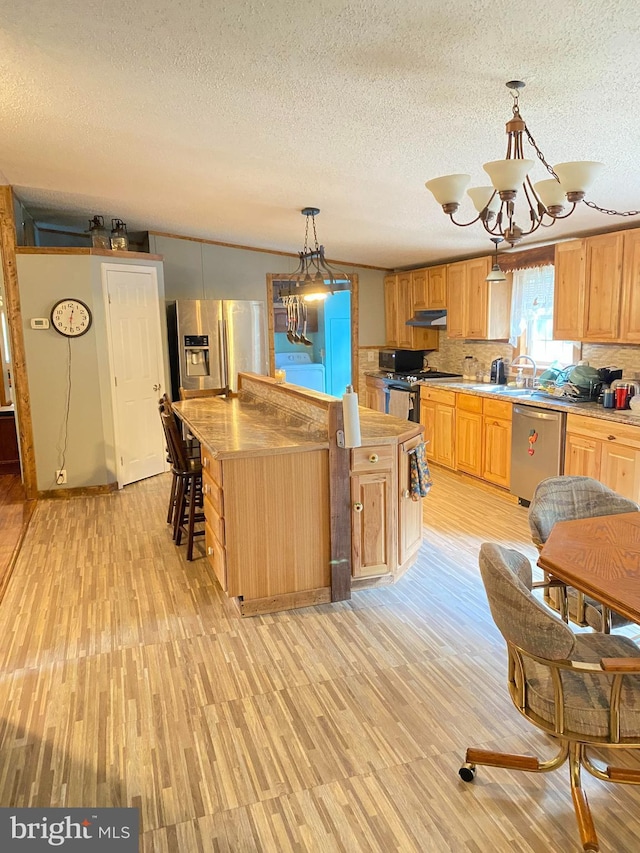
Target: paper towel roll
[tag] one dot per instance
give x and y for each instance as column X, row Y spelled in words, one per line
column 351, row 418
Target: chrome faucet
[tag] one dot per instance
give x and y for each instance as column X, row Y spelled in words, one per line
column 534, row 368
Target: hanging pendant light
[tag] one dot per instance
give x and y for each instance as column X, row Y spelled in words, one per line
column 496, row 273
column 314, row 278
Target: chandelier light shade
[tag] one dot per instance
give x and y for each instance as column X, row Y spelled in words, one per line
column 314, row 278
column 512, row 193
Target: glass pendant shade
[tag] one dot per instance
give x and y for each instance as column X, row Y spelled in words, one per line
column 448, row 189
column 496, row 274
column 550, row 193
column 480, row 197
column 508, row 175
column 577, row 177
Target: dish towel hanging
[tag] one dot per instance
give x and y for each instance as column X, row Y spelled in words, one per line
column 419, row 472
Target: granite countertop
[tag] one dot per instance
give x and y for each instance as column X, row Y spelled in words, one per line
column 246, row 426
column 540, row 400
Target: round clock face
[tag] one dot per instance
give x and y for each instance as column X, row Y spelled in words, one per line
column 71, row 318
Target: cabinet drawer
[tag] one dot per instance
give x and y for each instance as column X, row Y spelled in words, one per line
column 373, row 458
column 497, row 409
column 213, row 493
column 217, row 556
column 438, row 395
column 607, row 431
column 212, row 466
column 213, row 520
column 469, row 403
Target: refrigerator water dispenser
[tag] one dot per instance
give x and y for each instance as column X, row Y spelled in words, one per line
column 196, row 355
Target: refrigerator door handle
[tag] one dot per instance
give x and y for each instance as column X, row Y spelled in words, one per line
column 222, row 350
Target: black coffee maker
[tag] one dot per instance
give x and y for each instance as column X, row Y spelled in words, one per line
column 498, row 373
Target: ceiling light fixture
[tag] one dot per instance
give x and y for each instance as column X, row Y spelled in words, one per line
column 510, row 180
column 496, row 273
column 314, row 278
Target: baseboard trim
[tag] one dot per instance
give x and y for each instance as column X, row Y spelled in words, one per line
column 80, row 492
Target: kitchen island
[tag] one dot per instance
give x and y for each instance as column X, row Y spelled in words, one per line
column 292, row 517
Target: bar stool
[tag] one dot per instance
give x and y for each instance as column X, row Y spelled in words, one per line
column 164, row 405
column 186, row 506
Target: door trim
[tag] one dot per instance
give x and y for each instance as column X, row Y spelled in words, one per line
column 355, row 361
column 104, row 269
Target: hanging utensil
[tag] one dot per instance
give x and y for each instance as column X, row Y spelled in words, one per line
column 296, row 319
column 289, row 303
column 303, row 337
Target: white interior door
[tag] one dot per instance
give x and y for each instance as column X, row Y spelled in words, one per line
column 135, row 343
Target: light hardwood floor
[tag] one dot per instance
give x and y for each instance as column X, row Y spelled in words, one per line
column 128, row 679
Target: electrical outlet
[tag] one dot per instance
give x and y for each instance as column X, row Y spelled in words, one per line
column 371, row 356
column 61, row 477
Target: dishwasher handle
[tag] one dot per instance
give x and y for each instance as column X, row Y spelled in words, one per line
column 527, row 412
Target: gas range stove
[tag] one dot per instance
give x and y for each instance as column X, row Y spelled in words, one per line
column 406, row 380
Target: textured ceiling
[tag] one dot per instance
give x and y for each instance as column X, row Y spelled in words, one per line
column 223, row 119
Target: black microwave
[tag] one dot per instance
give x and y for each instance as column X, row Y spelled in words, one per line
column 400, row 360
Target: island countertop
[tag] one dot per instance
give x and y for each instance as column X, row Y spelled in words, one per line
column 247, row 426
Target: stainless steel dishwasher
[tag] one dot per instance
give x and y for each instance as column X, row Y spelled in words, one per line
column 537, row 449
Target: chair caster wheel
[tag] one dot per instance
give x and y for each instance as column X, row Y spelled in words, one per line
column 467, row 772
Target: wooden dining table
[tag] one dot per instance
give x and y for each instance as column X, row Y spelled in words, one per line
column 600, row 557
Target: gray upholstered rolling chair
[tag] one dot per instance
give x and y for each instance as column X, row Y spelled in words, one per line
column 584, row 689
column 565, row 499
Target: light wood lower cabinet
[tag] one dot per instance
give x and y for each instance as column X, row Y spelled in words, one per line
column 605, row 450
column 469, row 434
column 497, row 442
column 373, row 510
column 375, row 395
column 259, row 547
column 386, row 522
column 438, row 416
column 483, row 438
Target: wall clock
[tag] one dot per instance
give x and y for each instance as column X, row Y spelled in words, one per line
column 71, row 318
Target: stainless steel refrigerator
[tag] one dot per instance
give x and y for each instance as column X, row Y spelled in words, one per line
column 212, row 340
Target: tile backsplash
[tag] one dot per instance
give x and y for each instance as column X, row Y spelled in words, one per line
column 449, row 358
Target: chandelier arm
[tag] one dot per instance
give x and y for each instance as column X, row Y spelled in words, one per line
column 609, row 211
column 464, row 224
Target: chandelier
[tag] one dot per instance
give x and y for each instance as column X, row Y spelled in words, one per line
column 543, row 202
column 314, row 278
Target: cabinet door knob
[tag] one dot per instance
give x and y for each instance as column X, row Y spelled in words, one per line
column 205, row 488
column 406, row 493
column 357, row 507
column 611, row 438
column 205, row 462
column 209, row 551
column 373, row 458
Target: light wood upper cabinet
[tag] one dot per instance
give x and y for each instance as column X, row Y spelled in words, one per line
column 597, row 288
column 437, row 287
column 399, row 307
column 568, row 291
column 456, row 285
column 477, row 309
column 391, row 310
column 419, row 282
column 630, row 309
column 429, row 288
column 603, row 287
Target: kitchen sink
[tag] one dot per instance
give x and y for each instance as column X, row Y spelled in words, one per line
column 502, row 389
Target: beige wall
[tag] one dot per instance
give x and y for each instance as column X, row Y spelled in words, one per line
column 195, row 270
column 90, row 455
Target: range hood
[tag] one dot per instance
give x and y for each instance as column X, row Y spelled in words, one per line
column 427, row 319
